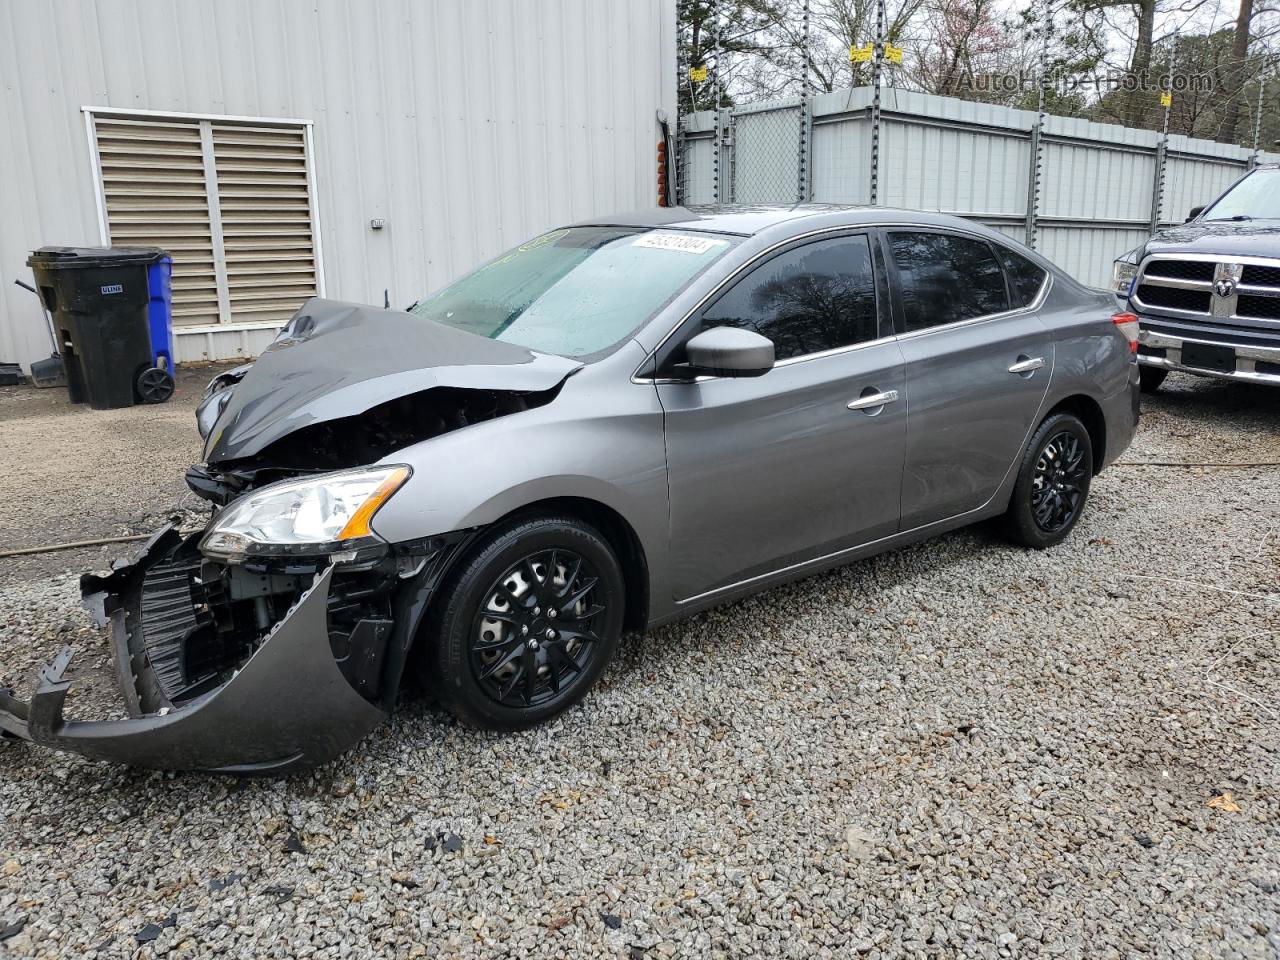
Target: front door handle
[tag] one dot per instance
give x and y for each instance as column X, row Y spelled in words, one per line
column 871, row 401
column 1027, row 364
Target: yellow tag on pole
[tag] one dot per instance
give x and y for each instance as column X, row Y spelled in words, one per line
column 1166, row 99
column 892, row 54
column 698, row 74
column 862, row 54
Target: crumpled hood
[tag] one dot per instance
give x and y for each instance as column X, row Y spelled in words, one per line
column 1227, row 238
column 336, row 359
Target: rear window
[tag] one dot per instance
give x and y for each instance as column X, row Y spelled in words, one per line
column 1025, row 278
column 576, row 291
column 946, row 278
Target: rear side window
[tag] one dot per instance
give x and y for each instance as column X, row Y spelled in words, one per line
column 946, row 278
column 1025, row 278
column 816, row 297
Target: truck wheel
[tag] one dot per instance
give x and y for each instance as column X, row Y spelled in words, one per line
column 527, row 625
column 1053, row 483
column 1152, row 377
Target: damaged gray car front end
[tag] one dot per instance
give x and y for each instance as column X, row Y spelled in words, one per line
column 207, row 688
column 277, row 637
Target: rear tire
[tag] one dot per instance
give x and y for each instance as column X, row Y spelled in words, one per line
column 1151, row 378
column 527, row 624
column 1053, row 483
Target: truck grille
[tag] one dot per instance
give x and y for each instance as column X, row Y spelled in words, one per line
column 1181, row 270
column 1222, row 289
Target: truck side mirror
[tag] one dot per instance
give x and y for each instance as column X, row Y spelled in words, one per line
column 1195, row 212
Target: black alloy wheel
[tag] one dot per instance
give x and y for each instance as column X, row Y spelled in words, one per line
column 535, row 631
column 1053, row 483
column 1059, row 484
column 525, row 623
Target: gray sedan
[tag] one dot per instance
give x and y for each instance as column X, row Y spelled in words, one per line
column 613, row 425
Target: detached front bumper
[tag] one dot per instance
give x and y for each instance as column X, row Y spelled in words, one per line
column 289, row 705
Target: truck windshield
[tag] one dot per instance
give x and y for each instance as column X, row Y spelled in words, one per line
column 1256, row 197
column 576, row 291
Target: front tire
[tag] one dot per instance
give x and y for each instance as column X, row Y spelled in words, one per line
column 1053, row 483
column 1151, row 378
column 527, row 625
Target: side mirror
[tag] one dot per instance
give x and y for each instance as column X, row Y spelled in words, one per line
column 730, row 352
column 1195, row 212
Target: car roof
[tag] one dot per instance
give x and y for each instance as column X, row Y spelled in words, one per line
column 749, row 219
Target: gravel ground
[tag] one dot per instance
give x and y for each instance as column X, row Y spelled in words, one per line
column 957, row 749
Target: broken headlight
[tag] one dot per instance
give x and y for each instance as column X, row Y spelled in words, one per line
column 317, row 515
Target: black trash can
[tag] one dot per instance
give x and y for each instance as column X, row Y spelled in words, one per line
column 98, row 298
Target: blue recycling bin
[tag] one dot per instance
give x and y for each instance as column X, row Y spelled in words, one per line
column 160, row 311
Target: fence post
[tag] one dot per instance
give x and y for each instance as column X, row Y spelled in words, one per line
column 1037, row 131
column 1162, row 150
column 681, row 145
column 716, row 136
column 876, row 61
column 1257, row 120
column 806, row 128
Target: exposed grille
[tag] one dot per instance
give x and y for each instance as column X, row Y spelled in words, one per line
column 1175, row 298
column 1258, row 308
column 1181, row 269
column 168, row 617
column 1261, row 276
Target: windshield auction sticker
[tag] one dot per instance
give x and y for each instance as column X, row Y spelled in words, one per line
column 680, row 242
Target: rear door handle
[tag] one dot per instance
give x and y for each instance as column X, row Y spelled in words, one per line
column 1027, row 365
column 871, row 400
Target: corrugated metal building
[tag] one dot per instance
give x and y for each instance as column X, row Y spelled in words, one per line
column 285, row 147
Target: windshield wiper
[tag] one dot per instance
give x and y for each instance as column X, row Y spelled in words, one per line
column 1238, row 218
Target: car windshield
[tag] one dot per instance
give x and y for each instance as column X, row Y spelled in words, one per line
column 1256, row 197
column 576, row 291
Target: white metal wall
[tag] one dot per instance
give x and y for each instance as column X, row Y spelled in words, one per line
column 974, row 160
column 467, row 125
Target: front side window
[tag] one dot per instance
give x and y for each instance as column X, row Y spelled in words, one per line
column 812, row 298
column 1256, row 197
column 946, row 278
column 576, row 291
column 1025, row 278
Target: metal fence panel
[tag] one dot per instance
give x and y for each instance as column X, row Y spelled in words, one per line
column 929, row 166
column 696, row 173
column 1094, row 181
column 972, row 159
column 1086, row 252
column 766, row 164
column 841, row 157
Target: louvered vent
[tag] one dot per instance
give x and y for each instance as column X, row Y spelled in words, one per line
column 231, row 203
column 153, row 181
column 266, row 220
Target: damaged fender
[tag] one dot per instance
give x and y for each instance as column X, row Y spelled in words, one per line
column 288, row 707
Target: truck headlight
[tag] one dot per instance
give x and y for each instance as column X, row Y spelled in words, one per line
column 319, row 514
column 1122, row 274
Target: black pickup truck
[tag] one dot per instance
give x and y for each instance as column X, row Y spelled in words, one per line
column 1207, row 293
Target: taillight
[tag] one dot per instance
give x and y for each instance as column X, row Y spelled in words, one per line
column 1128, row 324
